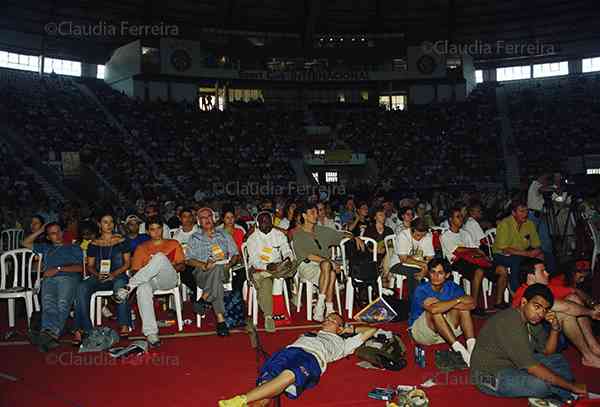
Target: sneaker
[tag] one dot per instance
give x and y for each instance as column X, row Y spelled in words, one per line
column 153, row 341
column 237, row 401
column 222, row 329
column 46, row 342
column 106, row 313
column 319, row 312
column 502, row 306
column 120, row 296
column 269, row 324
column 479, row 313
column 535, row 402
column 200, row 307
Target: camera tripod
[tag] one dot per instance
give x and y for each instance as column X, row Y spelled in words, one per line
column 559, row 233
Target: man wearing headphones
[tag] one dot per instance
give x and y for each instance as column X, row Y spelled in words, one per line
column 268, row 249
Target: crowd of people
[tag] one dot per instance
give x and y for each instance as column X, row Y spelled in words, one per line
column 442, row 241
column 554, row 119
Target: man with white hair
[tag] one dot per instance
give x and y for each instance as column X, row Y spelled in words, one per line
column 268, row 248
column 212, row 252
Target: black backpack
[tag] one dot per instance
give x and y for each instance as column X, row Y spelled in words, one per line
column 361, row 264
column 389, row 354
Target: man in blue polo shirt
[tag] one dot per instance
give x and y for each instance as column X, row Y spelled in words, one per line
column 62, row 265
column 440, row 311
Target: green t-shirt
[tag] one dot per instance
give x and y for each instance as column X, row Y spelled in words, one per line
column 507, row 342
column 306, row 243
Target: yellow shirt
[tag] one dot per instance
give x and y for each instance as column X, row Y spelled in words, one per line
column 508, row 234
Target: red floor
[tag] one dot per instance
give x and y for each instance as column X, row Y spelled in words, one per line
column 198, row 371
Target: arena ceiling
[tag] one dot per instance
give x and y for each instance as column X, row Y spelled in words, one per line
column 296, row 26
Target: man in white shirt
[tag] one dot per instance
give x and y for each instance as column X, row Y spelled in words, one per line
column 472, row 226
column 391, row 216
column 151, row 211
column 407, row 215
column 299, row 366
column 456, row 241
column 415, row 249
column 182, row 235
column 267, row 249
column 323, row 219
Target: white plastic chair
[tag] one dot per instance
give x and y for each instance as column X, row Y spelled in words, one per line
column 250, row 292
column 96, row 303
column 10, row 239
column 22, row 265
column 176, row 293
column 398, row 278
column 490, row 237
column 596, row 240
column 299, row 282
column 349, row 285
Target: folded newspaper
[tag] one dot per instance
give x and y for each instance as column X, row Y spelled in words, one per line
column 377, row 311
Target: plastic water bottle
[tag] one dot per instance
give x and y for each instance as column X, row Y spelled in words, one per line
column 420, row 356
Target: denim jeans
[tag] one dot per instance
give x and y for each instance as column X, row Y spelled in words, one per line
column 58, row 294
column 84, row 294
column 544, row 232
column 519, row 383
column 514, row 262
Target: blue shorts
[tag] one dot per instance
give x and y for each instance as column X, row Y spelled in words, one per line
column 304, row 365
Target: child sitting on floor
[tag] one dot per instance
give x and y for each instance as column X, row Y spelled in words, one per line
column 300, row 365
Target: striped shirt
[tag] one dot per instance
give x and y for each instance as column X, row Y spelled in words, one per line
column 201, row 246
column 327, row 347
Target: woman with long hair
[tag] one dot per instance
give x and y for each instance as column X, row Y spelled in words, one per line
column 108, row 259
column 237, row 233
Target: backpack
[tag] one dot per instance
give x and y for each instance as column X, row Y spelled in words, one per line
column 362, row 266
column 383, row 352
column 235, row 314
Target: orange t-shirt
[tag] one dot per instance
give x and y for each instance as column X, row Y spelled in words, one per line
column 171, row 248
column 559, row 292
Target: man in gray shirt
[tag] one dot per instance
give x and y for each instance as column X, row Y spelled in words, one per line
column 515, row 357
column 311, row 246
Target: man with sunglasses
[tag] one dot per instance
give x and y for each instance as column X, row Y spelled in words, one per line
column 299, row 366
column 311, row 245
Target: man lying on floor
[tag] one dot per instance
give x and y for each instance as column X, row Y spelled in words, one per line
column 516, row 357
column 300, row 365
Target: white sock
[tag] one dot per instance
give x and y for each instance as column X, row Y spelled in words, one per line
column 319, row 309
column 329, row 308
column 459, row 347
column 471, row 344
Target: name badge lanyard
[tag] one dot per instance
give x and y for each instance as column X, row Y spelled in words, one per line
column 105, row 264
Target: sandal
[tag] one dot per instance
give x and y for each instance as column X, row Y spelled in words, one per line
column 77, row 338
